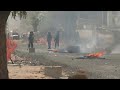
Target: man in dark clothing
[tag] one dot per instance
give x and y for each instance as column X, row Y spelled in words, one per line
column 49, row 39
column 56, row 39
column 31, row 40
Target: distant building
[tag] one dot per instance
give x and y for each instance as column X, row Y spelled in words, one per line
column 113, row 18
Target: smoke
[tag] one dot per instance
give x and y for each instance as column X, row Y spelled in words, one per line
column 69, row 24
column 116, row 50
column 87, row 39
column 115, row 46
column 13, row 24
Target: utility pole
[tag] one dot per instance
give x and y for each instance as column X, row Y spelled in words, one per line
column 109, row 18
column 102, row 18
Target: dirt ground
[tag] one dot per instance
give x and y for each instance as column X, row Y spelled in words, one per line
column 27, row 72
column 108, row 68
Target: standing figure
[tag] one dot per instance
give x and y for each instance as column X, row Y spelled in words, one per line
column 31, row 40
column 56, row 39
column 49, row 39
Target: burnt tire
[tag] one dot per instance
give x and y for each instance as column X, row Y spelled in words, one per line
column 73, row 49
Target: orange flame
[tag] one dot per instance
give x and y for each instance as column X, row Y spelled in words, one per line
column 11, row 46
column 98, row 54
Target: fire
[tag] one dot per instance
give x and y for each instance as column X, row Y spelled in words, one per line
column 11, row 46
column 98, row 54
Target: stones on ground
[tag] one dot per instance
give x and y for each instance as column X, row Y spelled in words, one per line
column 20, row 66
column 31, row 50
column 53, row 71
column 38, row 60
column 63, row 77
column 81, row 74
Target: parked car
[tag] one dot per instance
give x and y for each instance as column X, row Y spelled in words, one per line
column 15, row 36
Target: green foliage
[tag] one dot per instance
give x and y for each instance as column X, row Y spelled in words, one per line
column 21, row 14
column 36, row 18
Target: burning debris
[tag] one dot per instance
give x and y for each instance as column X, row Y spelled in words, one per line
column 69, row 49
column 97, row 55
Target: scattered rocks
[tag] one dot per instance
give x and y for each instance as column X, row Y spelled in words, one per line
column 53, row 71
column 81, row 74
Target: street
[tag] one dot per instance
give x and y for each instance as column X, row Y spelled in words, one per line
column 108, row 68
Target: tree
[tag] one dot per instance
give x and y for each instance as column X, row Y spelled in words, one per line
column 33, row 21
column 3, row 60
column 68, row 22
column 36, row 18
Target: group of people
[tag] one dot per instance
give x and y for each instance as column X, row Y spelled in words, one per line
column 56, row 39
column 49, row 39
